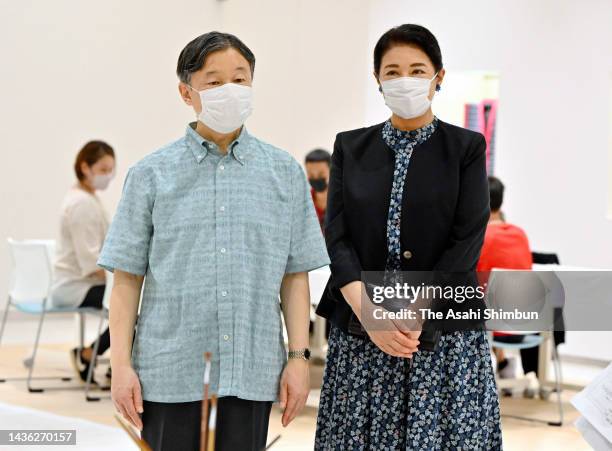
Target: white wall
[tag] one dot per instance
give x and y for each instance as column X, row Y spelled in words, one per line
column 309, row 73
column 73, row 71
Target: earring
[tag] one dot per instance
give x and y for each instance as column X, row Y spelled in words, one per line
column 379, row 88
column 438, row 88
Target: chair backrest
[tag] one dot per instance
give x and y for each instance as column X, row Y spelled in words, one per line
column 32, row 271
column 504, row 290
column 541, row 258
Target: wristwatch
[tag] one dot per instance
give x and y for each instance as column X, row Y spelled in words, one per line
column 300, row 354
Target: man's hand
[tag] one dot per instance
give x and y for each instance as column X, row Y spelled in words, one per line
column 126, row 394
column 294, row 389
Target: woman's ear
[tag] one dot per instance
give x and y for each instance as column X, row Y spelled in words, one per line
column 439, row 79
column 85, row 169
column 377, row 81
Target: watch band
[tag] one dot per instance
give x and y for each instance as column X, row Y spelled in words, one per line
column 300, row 354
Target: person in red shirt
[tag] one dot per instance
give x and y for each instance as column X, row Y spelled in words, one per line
column 505, row 247
column 318, row 163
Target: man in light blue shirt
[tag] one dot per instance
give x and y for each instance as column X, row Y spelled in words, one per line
column 220, row 223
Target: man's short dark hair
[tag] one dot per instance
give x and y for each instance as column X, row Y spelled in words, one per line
column 496, row 193
column 318, row 155
column 193, row 56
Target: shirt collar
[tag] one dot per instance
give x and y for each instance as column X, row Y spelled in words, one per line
column 398, row 140
column 200, row 147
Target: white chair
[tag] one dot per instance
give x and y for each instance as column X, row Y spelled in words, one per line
column 30, row 291
column 530, row 340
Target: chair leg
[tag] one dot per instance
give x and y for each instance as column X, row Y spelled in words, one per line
column 81, row 331
column 36, row 342
column 94, row 357
column 2, row 327
column 30, row 378
column 557, row 367
column 4, row 317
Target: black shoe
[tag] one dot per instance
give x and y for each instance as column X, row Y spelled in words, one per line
column 80, row 365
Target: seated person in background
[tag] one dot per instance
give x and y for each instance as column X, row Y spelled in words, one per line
column 505, row 246
column 318, row 162
column 78, row 281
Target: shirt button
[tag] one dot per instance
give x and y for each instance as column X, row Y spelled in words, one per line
column 221, row 167
column 407, row 255
column 222, row 250
column 224, row 293
column 226, row 337
column 222, row 208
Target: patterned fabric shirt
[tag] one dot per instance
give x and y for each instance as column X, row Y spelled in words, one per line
column 402, row 143
column 213, row 234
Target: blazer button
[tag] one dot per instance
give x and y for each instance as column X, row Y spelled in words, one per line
column 407, row 255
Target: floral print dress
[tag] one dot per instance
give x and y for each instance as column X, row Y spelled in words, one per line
column 442, row 400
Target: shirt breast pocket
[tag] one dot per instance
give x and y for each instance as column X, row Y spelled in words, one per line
column 265, row 217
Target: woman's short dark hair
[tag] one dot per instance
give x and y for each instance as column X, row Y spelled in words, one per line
column 496, row 193
column 90, row 154
column 408, row 34
column 193, row 56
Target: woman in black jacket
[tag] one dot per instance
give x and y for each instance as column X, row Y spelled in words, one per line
column 409, row 194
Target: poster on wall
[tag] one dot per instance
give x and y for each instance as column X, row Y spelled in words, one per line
column 470, row 99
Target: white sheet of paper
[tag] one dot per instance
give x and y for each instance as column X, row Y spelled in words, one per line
column 595, row 403
column 597, row 441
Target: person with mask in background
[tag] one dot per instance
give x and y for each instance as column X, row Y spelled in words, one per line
column 77, row 279
column 221, row 224
column 317, row 163
column 406, row 195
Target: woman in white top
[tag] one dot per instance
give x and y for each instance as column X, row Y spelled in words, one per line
column 78, row 281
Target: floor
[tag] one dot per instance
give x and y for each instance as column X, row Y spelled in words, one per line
column 59, row 336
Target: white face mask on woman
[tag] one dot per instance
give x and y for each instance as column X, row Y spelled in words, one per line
column 101, row 181
column 226, row 107
column 407, row 97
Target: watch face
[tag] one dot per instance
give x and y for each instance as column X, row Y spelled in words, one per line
column 307, row 354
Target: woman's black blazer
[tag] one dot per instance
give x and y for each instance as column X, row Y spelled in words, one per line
column 445, row 207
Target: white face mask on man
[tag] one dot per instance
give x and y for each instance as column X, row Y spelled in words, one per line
column 407, row 97
column 226, row 107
